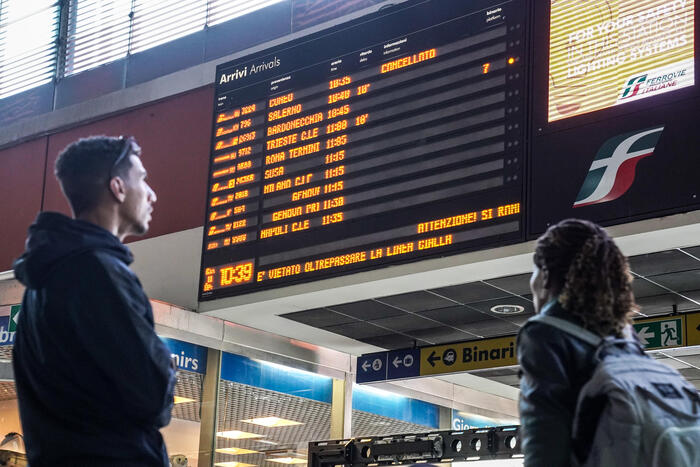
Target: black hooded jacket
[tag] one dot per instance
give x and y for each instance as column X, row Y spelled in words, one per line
column 94, row 381
column 554, row 366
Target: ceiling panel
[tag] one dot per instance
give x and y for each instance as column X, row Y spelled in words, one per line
column 357, row 330
column 366, row 310
column 662, row 262
column 679, row 281
column 491, row 372
column 643, row 288
column 406, row 322
column 518, row 285
column 519, row 320
column 673, row 269
column 510, row 380
column 694, row 295
column 441, row 335
column 663, row 304
column 417, row 301
column 319, row 317
column 692, row 360
column 456, row 316
column 695, row 251
column 471, row 292
column 491, row 328
column 394, row 341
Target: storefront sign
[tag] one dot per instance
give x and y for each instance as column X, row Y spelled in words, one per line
column 187, row 356
column 7, row 337
column 465, row 421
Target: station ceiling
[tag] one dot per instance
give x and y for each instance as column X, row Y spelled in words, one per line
column 665, row 282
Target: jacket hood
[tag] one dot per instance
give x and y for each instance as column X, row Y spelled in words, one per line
column 54, row 237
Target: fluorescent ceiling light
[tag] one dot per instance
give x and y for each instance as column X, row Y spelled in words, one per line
column 235, row 434
column 233, row 464
column 288, row 460
column 271, row 421
column 182, row 400
column 235, row 451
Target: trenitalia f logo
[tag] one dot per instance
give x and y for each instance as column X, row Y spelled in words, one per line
column 633, row 85
column 612, row 171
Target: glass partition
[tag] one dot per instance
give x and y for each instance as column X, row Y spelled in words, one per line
column 182, row 434
column 376, row 412
column 268, row 413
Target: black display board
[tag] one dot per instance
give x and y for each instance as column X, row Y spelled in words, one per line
column 394, row 138
column 636, row 157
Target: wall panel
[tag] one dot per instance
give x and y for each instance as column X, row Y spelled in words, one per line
column 21, row 182
column 174, row 135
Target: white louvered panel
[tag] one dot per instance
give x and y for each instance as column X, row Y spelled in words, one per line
column 28, row 33
column 224, row 10
column 160, row 21
column 188, row 385
column 369, row 424
column 7, row 391
column 239, row 402
column 98, row 33
column 6, row 353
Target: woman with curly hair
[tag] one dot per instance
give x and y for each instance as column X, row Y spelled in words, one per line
column 580, row 276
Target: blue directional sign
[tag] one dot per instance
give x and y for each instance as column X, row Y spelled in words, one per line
column 7, row 337
column 372, row 367
column 403, row 363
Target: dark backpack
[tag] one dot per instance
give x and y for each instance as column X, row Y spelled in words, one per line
column 634, row 410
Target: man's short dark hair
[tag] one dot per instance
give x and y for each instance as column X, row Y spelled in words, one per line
column 83, row 169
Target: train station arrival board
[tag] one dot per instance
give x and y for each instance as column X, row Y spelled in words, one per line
column 390, row 139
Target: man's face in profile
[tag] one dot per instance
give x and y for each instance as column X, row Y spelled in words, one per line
column 138, row 205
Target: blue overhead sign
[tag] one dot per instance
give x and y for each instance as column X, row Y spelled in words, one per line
column 403, row 363
column 372, row 367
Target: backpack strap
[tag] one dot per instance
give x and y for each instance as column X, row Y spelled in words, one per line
column 568, row 327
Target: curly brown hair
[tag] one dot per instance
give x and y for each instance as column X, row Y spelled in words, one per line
column 589, row 274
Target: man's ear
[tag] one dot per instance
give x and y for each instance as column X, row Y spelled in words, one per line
column 117, row 187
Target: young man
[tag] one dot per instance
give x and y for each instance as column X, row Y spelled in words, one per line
column 94, row 381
